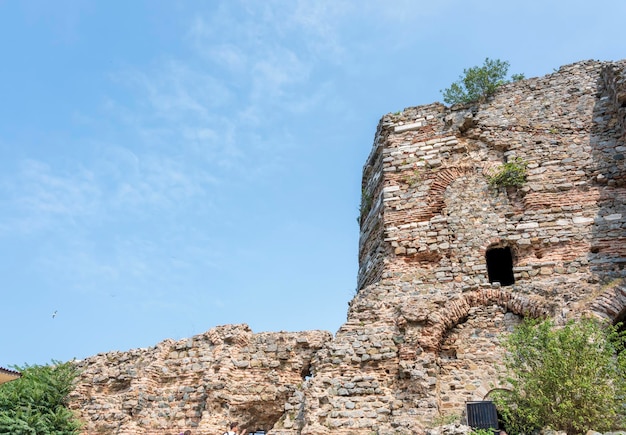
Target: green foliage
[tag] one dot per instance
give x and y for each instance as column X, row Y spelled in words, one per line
column 413, row 178
column 482, row 432
column 478, row 82
column 36, row 404
column 517, row 77
column 365, row 206
column 512, row 173
column 571, row 378
column 444, row 419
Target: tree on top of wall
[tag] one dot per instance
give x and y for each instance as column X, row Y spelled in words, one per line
column 479, row 82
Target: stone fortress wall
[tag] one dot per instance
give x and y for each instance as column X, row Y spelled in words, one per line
column 448, row 264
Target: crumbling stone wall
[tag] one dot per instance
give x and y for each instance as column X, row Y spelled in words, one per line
column 423, row 332
column 433, row 217
column 567, row 126
column 203, row 383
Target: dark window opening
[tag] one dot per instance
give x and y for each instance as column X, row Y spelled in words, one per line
column 500, row 265
column 306, row 373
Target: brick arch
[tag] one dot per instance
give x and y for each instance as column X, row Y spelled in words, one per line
column 610, row 304
column 446, row 318
column 442, row 179
column 446, row 176
column 440, row 182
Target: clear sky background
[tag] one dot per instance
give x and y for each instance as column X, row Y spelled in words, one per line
column 170, row 166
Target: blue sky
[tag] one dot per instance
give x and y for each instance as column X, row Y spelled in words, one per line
column 171, row 166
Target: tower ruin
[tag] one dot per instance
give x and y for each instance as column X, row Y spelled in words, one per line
column 448, row 263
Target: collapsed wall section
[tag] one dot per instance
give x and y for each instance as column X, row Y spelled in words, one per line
column 201, row 383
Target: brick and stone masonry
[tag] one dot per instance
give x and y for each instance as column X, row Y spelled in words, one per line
column 448, row 264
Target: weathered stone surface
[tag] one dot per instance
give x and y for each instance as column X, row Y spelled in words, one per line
column 423, row 332
column 227, row 373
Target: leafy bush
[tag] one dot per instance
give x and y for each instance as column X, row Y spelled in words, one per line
column 478, row 82
column 512, row 173
column 36, row 404
column 571, row 378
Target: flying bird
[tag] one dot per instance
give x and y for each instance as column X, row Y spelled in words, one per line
column 54, row 314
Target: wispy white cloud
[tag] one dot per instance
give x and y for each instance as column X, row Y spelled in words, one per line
column 230, row 56
column 173, row 90
column 320, row 24
column 118, row 185
column 269, row 56
column 158, row 182
column 188, row 124
column 176, row 135
column 129, row 266
column 72, row 194
column 36, row 198
column 276, row 76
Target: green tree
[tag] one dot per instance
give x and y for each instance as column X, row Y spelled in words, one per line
column 571, row 378
column 36, row 404
column 478, row 82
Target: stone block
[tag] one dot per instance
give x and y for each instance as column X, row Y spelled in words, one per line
column 408, row 127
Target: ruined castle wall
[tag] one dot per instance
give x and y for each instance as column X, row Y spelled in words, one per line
column 424, row 284
column 201, row 383
column 569, row 139
column 423, row 333
column 372, row 249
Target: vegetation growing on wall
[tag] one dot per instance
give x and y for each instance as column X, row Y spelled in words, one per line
column 479, row 82
column 571, row 378
column 36, row 404
column 413, row 178
column 365, row 206
column 512, row 173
